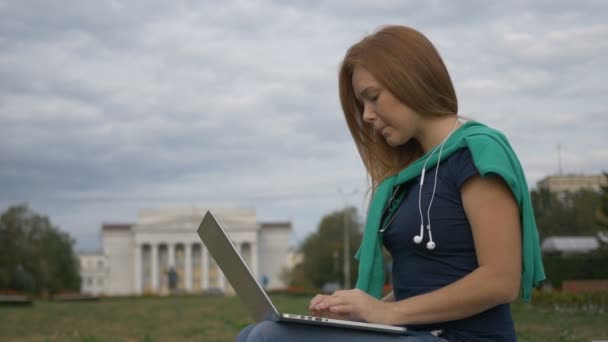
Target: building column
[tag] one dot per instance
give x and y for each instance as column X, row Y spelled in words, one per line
column 205, row 266
column 138, row 272
column 171, row 251
column 221, row 280
column 154, row 265
column 188, row 265
column 254, row 260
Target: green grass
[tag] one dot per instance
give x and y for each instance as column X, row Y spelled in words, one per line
column 216, row 318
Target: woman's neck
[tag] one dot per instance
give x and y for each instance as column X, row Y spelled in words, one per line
column 435, row 130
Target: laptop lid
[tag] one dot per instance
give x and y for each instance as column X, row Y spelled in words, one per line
column 235, row 269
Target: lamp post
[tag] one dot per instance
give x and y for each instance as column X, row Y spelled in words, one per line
column 346, row 248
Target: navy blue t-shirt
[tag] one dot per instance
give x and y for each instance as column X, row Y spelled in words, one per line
column 417, row 270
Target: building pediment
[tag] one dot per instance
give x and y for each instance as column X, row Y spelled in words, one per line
column 189, row 220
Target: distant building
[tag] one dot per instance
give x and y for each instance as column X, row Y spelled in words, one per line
column 567, row 245
column 93, row 272
column 294, row 257
column 572, row 183
column 137, row 258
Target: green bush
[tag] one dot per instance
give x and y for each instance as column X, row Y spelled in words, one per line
column 593, row 301
column 576, row 267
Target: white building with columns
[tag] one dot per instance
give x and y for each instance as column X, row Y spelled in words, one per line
column 138, row 258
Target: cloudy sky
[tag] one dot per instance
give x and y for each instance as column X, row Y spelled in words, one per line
column 107, row 107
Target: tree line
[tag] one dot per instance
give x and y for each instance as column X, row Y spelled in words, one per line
column 323, row 252
column 35, row 256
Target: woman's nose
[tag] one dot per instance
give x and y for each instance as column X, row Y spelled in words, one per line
column 368, row 114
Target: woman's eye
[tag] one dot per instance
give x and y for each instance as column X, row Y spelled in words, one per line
column 373, row 98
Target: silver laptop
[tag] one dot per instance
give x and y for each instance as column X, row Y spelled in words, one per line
column 249, row 290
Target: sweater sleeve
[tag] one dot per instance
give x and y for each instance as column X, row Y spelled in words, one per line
column 493, row 154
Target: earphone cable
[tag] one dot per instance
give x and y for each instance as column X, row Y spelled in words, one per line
column 418, row 238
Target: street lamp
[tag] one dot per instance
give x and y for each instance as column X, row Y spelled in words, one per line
column 347, row 255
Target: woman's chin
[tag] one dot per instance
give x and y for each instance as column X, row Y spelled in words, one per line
column 394, row 142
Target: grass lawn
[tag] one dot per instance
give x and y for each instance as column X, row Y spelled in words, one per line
column 216, row 318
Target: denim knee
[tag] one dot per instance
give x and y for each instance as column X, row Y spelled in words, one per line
column 244, row 334
column 264, row 331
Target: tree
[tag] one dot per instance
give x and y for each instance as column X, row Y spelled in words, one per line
column 566, row 213
column 36, row 256
column 323, row 251
column 602, row 210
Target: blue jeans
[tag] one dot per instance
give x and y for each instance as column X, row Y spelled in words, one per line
column 269, row 331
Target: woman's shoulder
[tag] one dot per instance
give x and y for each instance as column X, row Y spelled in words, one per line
column 476, row 133
column 477, row 128
column 460, row 156
column 460, row 166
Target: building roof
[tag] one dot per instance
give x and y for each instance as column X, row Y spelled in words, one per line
column 196, row 213
column 572, row 182
column 89, row 253
column 570, row 244
column 116, row 226
column 603, row 236
column 276, row 225
column 188, row 219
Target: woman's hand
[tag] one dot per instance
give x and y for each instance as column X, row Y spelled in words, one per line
column 324, row 313
column 354, row 305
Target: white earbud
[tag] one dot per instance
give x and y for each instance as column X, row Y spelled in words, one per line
column 418, row 238
column 431, row 244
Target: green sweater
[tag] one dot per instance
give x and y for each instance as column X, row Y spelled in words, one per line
column 492, row 155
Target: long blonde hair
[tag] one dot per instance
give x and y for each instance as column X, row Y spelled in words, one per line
column 407, row 64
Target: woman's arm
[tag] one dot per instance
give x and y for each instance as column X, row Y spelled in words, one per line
column 495, row 223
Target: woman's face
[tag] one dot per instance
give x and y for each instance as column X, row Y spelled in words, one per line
column 390, row 118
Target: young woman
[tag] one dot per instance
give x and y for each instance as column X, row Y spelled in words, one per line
column 449, row 201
